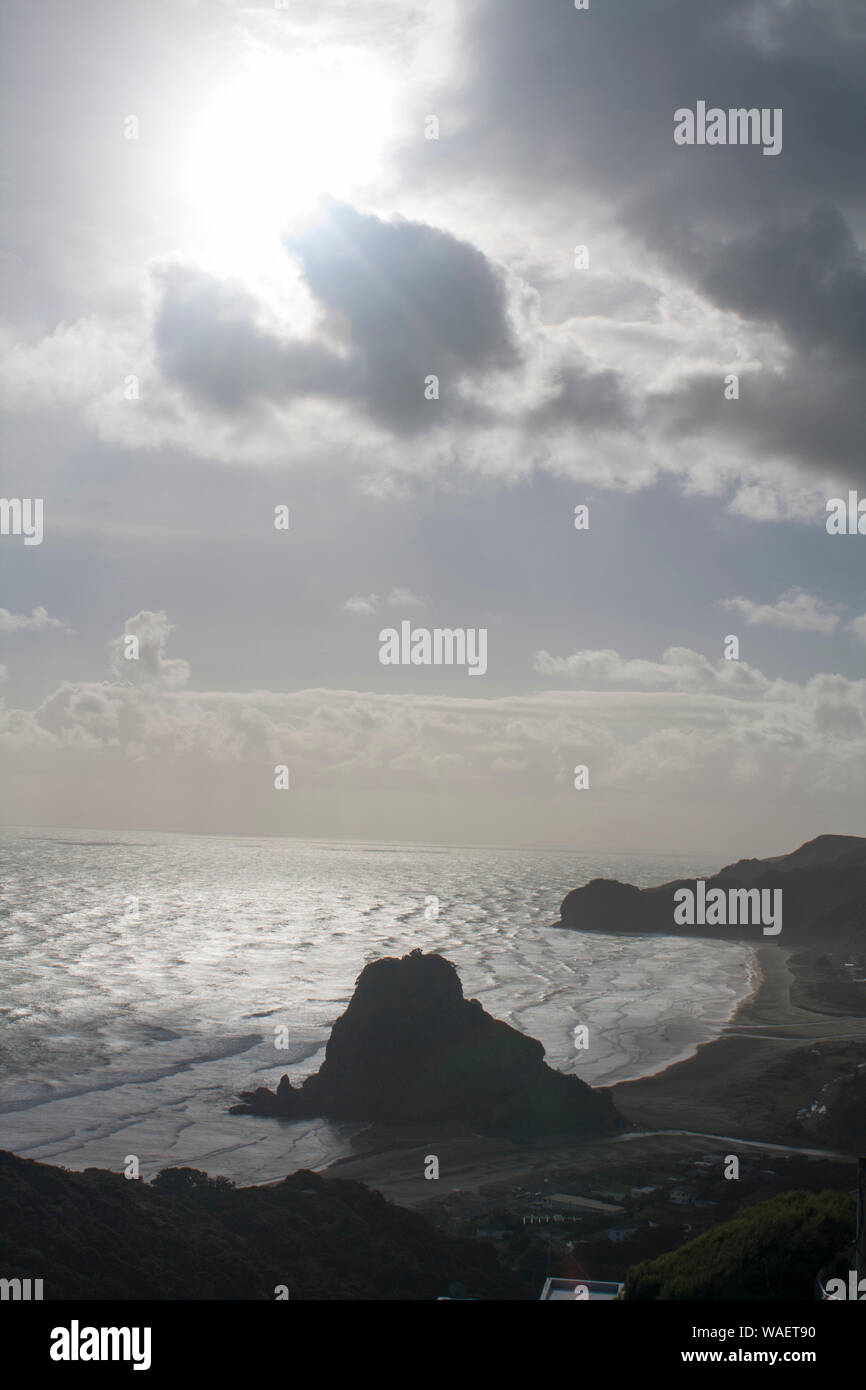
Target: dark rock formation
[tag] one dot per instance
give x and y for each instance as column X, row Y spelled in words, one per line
column 823, row 896
column 411, row 1051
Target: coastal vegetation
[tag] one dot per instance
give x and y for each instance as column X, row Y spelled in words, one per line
column 772, row 1250
column 98, row 1235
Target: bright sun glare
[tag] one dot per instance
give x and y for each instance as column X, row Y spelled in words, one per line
column 279, row 134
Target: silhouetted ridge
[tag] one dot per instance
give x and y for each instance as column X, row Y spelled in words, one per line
column 96, row 1235
column 823, row 885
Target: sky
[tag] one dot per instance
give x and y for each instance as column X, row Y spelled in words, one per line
column 431, row 276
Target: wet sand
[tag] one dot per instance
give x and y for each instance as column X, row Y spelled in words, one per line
column 754, row 1077
column 748, row 1083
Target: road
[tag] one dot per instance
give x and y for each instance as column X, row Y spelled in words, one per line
column 737, row 1143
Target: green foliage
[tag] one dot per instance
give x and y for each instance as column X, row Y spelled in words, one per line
column 772, row 1250
column 188, row 1236
column 190, row 1180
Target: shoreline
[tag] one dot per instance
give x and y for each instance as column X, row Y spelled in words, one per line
column 379, row 1147
column 749, row 1081
column 746, row 1081
column 756, row 982
column 652, row 1067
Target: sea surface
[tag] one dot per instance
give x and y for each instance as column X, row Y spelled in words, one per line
column 145, row 976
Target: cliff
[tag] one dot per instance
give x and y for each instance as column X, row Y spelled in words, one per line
column 823, row 887
column 411, row 1051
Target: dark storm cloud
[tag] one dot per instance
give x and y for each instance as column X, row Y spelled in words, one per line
column 408, row 288
column 562, row 105
column 552, row 93
column 207, row 342
column 409, row 300
column 591, row 399
column 813, row 412
column 808, row 278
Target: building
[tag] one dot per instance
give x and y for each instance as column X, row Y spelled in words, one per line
column 581, row 1290
column 570, row 1203
column 620, row 1233
column 682, row 1195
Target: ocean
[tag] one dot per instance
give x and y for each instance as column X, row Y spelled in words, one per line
column 145, row 977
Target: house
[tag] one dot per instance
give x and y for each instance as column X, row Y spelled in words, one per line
column 683, row 1196
column 580, row 1290
column 619, row 1233
column 570, row 1203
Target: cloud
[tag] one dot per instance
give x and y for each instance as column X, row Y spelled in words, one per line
column 807, row 414
column 795, row 610
column 142, row 661
column 653, row 733
column 67, row 366
column 858, row 627
column 362, row 605
column 394, row 304
column 565, row 114
column 809, row 278
column 555, row 128
column 808, row 281
column 404, row 598
column 417, row 300
column 365, row 605
column 208, row 341
column 622, row 701
column 402, row 299
column 680, row 670
column 37, row 621
column 338, row 733
column 553, row 99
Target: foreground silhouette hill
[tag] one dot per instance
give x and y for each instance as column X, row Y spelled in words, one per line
column 187, row 1236
column 411, row 1051
column 772, row 1250
column 823, row 887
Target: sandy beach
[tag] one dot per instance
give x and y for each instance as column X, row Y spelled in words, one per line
column 746, row 1084
column 759, row 1072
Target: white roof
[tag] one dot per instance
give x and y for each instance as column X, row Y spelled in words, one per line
column 597, row 1290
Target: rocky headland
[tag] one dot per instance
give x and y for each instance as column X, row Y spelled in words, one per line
column 823, row 898
column 411, row 1051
